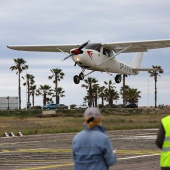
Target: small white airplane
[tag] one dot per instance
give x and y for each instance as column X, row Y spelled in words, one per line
column 101, row 56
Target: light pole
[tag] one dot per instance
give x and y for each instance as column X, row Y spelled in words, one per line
column 8, row 101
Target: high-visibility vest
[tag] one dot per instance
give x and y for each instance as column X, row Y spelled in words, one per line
column 165, row 153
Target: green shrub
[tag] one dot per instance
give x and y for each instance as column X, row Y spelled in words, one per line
column 20, row 113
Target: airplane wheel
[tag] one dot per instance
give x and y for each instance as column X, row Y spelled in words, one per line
column 81, row 76
column 118, row 78
column 76, row 79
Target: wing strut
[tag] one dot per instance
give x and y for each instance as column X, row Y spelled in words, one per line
column 89, row 73
column 61, row 51
column 115, row 55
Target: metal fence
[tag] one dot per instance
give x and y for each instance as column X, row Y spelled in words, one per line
column 8, row 103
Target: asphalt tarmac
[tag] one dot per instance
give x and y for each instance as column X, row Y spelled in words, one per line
column 136, row 150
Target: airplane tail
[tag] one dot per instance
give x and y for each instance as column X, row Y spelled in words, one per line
column 136, row 62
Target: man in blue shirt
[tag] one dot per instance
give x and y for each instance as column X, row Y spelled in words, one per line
column 92, row 148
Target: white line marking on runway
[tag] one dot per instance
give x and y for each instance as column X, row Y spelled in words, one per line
column 133, row 157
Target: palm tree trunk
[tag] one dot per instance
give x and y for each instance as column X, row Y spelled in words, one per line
column 155, row 91
column 102, row 101
column 56, row 86
column 96, row 100
column 28, row 88
column 124, row 102
column 91, row 96
column 19, row 90
column 33, row 99
column 110, row 102
column 44, row 99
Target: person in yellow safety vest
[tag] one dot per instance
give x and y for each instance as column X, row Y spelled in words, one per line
column 163, row 142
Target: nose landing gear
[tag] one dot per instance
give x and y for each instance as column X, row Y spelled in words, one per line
column 76, row 79
column 79, row 77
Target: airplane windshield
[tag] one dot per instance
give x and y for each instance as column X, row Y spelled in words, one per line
column 94, row 46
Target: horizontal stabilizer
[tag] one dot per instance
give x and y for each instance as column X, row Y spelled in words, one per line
column 147, row 69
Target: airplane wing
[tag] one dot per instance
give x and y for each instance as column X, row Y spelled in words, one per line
column 130, row 46
column 136, row 46
column 45, row 48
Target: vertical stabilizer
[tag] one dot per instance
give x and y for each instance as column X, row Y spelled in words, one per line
column 136, row 62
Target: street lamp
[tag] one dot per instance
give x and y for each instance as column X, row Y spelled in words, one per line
column 8, row 101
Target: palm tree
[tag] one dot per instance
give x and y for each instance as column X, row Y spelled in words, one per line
column 57, row 75
column 155, row 74
column 124, row 93
column 110, row 92
column 60, row 93
column 101, row 93
column 89, row 82
column 85, row 99
column 29, row 82
column 45, row 90
column 133, row 95
column 33, row 92
column 20, row 65
column 124, row 88
column 95, row 94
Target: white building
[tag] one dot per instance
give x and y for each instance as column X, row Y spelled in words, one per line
column 8, row 103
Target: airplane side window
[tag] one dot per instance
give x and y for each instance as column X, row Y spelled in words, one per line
column 106, row 52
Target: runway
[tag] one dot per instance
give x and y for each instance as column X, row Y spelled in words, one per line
column 136, row 149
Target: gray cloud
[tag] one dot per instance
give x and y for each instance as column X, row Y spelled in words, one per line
column 65, row 21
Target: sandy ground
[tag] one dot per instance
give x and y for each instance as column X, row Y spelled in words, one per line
column 136, row 150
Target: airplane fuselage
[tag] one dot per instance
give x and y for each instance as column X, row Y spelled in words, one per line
column 94, row 60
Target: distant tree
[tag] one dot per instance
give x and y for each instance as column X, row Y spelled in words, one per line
column 60, row 92
column 89, row 82
column 33, row 93
column 57, row 74
column 20, row 65
column 45, row 91
column 29, row 82
column 95, row 94
column 124, row 88
column 124, row 93
column 155, row 74
column 101, row 94
column 133, row 95
column 85, row 99
column 110, row 92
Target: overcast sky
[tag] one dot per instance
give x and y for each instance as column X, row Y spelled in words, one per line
column 37, row 22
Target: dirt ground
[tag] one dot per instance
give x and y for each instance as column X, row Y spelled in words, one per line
column 136, row 150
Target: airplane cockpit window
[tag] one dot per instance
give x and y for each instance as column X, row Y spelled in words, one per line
column 94, row 46
column 106, row 52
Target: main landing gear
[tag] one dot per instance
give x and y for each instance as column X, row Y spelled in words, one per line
column 79, row 77
column 118, row 78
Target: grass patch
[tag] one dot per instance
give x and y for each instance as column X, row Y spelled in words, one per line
column 72, row 121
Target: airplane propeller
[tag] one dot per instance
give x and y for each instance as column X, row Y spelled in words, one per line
column 77, row 50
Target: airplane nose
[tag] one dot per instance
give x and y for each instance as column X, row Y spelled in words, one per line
column 76, row 58
column 76, row 51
